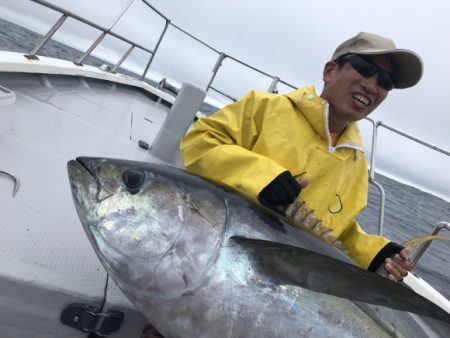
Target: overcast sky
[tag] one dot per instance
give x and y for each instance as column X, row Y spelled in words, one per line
column 291, row 39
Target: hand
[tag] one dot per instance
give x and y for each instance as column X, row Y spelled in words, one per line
column 398, row 266
column 283, row 190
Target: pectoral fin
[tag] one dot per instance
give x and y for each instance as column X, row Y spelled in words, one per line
column 296, row 266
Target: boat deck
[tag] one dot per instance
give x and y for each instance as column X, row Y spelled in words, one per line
column 54, row 119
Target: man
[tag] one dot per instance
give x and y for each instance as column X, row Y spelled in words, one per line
column 301, row 145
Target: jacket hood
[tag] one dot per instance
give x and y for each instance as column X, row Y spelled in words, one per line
column 315, row 109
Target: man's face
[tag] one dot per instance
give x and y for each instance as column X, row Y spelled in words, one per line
column 350, row 95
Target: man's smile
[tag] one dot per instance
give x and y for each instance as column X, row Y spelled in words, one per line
column 361, row 100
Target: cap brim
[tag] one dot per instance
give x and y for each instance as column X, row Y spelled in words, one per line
column 408, row 65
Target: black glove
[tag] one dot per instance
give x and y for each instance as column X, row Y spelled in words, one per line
column 388, row 250
column 283, row 190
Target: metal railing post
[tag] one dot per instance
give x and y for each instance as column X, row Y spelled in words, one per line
column 373, row 147
column 79, row 62
column 375, row 126
column 382, row 204
column 155, row 50
column 424, row 247
column 273, row 85
column 47, row 37
column 122, row 59
column 215, row 69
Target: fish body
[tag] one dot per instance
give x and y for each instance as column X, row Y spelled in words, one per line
column 200, row 260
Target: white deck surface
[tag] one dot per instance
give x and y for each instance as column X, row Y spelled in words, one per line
column 46, row 261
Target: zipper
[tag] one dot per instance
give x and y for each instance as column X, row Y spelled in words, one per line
column 326, row 111
column 350, row 145
column 331, row 148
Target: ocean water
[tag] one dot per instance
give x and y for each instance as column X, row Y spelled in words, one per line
column 409, row 212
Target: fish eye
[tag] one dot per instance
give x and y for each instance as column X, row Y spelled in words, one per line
column 133, row 179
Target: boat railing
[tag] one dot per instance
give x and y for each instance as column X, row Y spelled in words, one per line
column 375, row 126
column 421, row 250
column 105, row 31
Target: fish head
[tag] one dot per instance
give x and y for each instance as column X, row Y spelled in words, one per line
column 152, row 231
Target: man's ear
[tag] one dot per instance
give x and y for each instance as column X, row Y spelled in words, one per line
column 328, row 70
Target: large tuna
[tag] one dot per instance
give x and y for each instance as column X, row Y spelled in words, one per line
column 200, row 260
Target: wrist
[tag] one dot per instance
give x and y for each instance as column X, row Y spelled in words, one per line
column 388, row 250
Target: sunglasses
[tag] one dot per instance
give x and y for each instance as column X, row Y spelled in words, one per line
column 368, row 68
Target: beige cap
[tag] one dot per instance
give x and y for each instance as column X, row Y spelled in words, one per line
column 408, row 67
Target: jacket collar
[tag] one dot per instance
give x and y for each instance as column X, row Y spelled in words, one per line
column 315, row 109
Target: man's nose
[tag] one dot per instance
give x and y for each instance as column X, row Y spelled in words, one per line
column 370, row 83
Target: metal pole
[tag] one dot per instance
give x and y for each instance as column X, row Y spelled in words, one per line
column 122, row 59
column 194, row 38
column 222, row 93
column 372, row 175
column 273, row 85
column 79, row 62
column 373, row 148
column 424, row 247
column 219, row 61
column 251, row 67
column 120, row 14
column 288, row 84
column 154, row 51
column 47, row 37
column 87, row 22
column 382, row 203
column 446, row 152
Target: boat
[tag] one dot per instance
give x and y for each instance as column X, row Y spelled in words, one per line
column 53, row 110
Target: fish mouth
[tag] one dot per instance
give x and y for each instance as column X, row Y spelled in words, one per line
column 82, row 172
column 78, row 173
column 81, row 165
column 87, row 193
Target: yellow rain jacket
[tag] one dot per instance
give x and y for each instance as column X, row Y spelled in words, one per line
column 250, row 142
